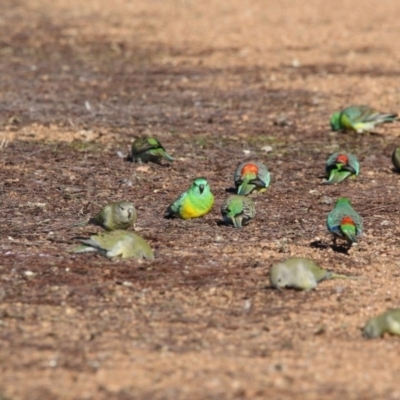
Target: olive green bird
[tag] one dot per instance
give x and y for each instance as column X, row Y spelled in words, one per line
column 388, row 322
column 195, row 202
column 238, row 210
column 145, row 149
column 340, row 166
column 117, row 215
column 359, row 119
column 396, row 158
column 344, row 222
column 251, row 176
column 117, row 243
column 300, row 273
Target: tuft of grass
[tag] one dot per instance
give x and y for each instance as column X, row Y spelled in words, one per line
column 3, row 396
column 3, row 145
column 84, row 146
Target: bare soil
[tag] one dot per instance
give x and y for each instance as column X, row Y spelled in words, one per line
column 217, row 83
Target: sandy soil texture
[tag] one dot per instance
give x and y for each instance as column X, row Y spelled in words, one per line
column 217, row 83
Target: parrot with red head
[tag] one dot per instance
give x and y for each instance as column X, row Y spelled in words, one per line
column 340, row 166
column 251, row 176
column 344, row 222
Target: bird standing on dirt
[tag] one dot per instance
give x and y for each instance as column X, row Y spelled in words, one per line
column 238, row 210
column 300, row 273
column 117, row 243
column 359, row 119
column 251, row 176
column 388, row 322
column 117, row 215
column 340, row 166
column 344, row 222
column 195, row 202
column 396, row 158
column 145, row 149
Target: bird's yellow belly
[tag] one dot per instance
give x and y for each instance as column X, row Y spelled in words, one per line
column 346, row 123
column 189, row 210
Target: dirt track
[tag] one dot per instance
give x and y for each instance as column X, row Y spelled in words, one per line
column 216, row 83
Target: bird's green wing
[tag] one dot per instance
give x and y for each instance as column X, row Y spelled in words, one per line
column 174, row 208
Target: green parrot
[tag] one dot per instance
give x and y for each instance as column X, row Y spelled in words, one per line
column 396, row 158
column 117, row 215
column 340, row 166
column 388, row 322
column 195, row 202
column 251, row 176
column 117, row 243
column 145, row 149
column 344, row 222
column 359, row 119
column 300, row 273
column 238, row 210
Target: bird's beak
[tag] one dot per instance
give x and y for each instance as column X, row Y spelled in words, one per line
column 201, row 188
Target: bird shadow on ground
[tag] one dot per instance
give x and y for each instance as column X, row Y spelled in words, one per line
column 376, row 134
column 319, row 244
column 340, row 249
column 129, row 159
column 231, row 190
column 344, row 132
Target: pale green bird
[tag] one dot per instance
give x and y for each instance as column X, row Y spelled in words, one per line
column 251, row 176
column 344, row 222
column 195, row 202
column 340, row 166
column 145, row 149
column 117, row 243
column 359, row 119
column 117, row 215
column 300, row 273
column 396, row 158
column 388, row 322
column 238, row 210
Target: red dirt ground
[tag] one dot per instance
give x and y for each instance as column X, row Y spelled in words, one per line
column 217, row 83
